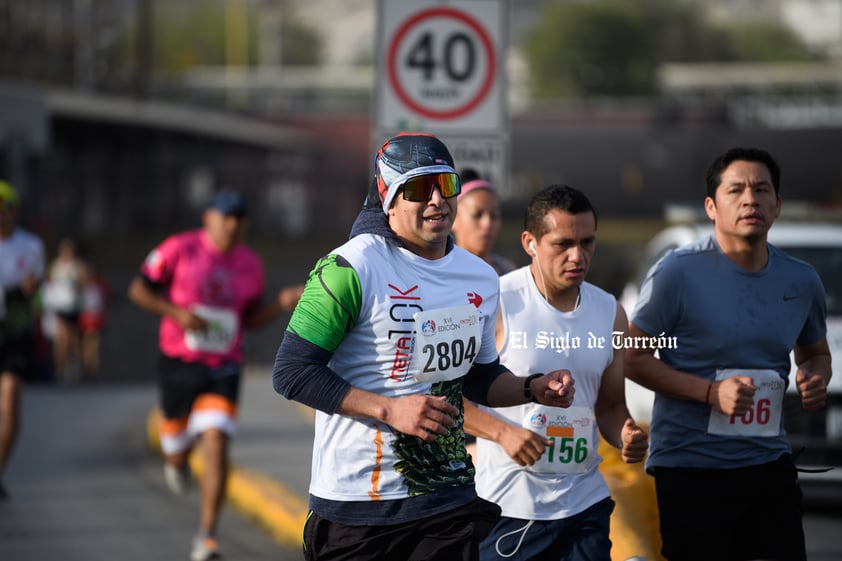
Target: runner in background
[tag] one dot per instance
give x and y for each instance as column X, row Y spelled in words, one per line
column 93, row 312
column 208, row 286
column 22, row 265
column 476, row 227
column 478, row 220
column 63, row 299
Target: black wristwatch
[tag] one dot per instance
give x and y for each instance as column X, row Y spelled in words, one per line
column 527, row 393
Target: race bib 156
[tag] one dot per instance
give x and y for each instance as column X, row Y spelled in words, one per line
column 570, row 432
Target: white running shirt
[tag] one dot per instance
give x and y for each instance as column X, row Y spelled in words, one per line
column 540, row 338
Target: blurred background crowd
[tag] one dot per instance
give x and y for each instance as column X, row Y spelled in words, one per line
column 120, row 118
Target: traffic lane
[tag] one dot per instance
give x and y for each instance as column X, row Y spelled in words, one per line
column 822, row 521
column 85, row 486
column 821, row 531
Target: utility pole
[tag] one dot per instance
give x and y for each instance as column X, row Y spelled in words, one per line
column 144, row 48
column 236, row 52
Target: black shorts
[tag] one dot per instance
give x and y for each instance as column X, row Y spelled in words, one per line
column 17, row 355
column 449, row 536
column 737, row 514
column 68, row 318
column 180, row 383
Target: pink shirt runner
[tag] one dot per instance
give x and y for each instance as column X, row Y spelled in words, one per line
column 217, row 286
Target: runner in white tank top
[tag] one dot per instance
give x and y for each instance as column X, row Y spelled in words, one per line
column 540, row 464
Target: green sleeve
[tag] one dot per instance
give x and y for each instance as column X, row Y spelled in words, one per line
column 330, row 304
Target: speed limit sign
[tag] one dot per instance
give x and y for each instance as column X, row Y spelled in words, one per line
column 440, row 65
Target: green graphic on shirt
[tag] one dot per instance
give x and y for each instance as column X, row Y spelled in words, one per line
column 444, row 462
column 330, row 304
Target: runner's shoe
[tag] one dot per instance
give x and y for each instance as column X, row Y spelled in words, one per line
column 178, row 479
column 205, row 548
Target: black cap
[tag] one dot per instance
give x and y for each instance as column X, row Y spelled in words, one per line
column 229, row 202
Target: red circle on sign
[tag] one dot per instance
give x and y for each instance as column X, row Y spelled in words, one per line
column 489, row 52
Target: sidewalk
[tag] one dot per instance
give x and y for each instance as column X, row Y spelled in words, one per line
column 270, row 473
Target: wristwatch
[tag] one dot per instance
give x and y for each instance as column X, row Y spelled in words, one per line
column 527, row 393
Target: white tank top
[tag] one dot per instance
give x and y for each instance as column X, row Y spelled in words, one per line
column 540, row 338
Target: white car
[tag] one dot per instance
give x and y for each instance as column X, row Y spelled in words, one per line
column 818, row 433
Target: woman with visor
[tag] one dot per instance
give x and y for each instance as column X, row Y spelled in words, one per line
column 476, row 228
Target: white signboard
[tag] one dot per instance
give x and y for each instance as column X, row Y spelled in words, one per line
column 441, row 70
column 487, row 155
column 440, row 65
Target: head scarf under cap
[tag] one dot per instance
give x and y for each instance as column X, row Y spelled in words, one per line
column 405, row 156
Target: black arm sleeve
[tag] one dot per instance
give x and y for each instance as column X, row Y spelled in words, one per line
column 479, row 379
column 301, row 374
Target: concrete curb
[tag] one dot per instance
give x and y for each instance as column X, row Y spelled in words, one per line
column 256, row 496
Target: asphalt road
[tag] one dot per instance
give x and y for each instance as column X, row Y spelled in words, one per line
column 85, row 486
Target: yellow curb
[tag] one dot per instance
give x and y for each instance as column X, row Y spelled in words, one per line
column 254, row 495
column 269, row 503
column 634, row 522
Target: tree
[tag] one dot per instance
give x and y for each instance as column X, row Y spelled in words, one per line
column 614, row 47
column 587, row 49
column 300, row 45
column 187, row 35
column 193, row 33
column 767, row 43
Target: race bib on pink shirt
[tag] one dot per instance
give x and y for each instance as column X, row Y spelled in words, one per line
column 222, row 328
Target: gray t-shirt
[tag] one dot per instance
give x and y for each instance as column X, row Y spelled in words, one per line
column 727, row 320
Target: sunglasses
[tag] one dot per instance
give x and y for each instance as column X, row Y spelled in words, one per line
column 419, row 189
